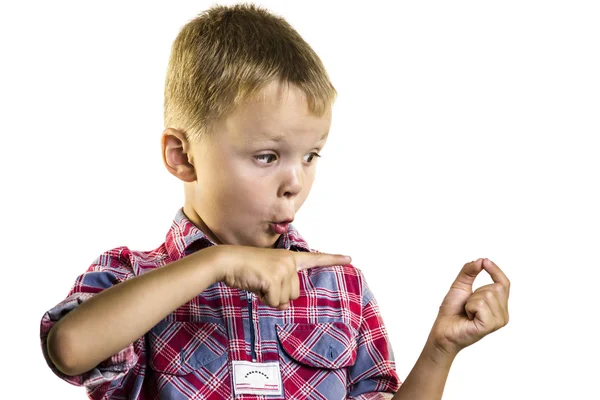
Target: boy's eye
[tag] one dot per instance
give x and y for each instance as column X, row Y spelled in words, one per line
column 264, row 158
column 311, row 156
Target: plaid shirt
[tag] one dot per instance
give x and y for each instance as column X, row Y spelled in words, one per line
column 330, row 344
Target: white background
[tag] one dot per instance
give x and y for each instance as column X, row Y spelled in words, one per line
column 463, row 129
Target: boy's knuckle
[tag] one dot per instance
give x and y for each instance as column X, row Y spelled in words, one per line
column 282, row 270
column 480, row 303
column 489, row 295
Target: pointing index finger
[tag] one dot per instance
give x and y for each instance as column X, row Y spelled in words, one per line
column 310, row 260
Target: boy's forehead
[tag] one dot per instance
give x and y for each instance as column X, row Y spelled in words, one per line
column 272, row 101
column 279, row 127
column 274, row 114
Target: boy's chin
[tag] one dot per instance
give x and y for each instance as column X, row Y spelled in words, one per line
column 263, row 240
column 269, row 240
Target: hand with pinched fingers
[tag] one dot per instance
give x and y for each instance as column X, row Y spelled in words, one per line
column 272, row 274
column 466, row 316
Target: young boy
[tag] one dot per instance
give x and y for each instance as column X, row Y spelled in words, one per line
column 235, row 304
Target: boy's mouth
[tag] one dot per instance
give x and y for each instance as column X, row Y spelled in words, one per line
column 280, row 227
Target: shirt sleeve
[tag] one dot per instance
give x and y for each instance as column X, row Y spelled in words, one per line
column 109, row 269
column 375, row 370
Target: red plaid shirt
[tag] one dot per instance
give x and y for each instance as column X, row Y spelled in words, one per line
column 330, row 344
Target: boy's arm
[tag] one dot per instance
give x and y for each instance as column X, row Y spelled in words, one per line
column 427, row 379
column 109, row 321
column 464, row 318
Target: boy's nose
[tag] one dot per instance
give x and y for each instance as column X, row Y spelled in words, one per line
column 291, row 183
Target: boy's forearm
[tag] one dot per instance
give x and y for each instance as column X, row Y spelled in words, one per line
column 427, row 379
column 111, row 320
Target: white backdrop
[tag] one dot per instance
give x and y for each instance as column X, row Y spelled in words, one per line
column 462, row 130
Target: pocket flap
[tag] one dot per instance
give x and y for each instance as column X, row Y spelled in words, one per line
column 177, row 348
column 323, row 345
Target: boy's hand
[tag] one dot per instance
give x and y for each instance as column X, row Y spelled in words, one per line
column 272, row 274
column 466, row 316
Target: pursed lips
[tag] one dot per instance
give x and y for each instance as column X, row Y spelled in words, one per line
column 281, row 226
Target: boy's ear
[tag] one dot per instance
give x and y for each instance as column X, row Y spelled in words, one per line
column 176, row 153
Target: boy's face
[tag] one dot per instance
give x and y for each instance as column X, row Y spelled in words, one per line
column 254, row 171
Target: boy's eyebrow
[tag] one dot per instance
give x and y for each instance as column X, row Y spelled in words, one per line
column 280, row 137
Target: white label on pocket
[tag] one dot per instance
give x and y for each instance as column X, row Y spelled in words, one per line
column 257, row 378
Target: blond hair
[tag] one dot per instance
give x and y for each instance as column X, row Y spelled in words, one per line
column 226, row 55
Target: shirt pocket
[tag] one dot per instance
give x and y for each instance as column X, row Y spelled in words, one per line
column 322, row 345
column 180, row 348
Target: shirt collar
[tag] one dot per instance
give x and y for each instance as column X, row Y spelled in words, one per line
column 185, row 238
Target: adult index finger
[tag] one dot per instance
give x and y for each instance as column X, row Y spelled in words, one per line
column 496, row 273
column 466, row 276
column 310, row 260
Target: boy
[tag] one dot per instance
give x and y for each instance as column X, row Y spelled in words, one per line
column 235, row 303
